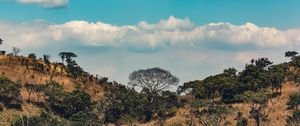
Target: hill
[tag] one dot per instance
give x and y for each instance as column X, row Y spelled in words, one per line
column 24, row 70
column 39, row 92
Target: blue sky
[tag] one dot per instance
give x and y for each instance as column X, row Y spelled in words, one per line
column 192, row 39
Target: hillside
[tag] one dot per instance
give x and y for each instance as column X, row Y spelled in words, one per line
column 12, row 68
column 86, row 100
column 276, row 109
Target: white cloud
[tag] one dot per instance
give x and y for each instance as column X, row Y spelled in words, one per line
column 46, row 3
column 172, row 31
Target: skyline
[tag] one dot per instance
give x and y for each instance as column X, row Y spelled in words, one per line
column 191, row 39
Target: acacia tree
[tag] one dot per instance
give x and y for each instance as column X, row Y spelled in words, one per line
column 69, row 58
column 153, row 81
column 291, row 54
column 16, row 50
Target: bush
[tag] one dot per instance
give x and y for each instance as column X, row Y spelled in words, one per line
column 294, row 119
column 9, row 93
column 294, row 101
column 240, row 120
column 1, row 107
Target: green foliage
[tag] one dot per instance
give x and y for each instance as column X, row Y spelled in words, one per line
column 223, row 85
column 295, row 61
column 77, row 107
column 291, row 54
column 277, row 74
column 211, row 113
column 68, row 104
column 259, row 97
column 257, row 101
column 9, row 93
column 255, row 75
column 32, row 56
column 29, row 88
column 122, row 101
column 240, row 120
column 229, row 85
column 44, row 119
column 294, row 101
column 294, row 119
column 124, row 105
column 195, row 88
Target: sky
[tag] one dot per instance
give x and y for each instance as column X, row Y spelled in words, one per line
column 190, row 38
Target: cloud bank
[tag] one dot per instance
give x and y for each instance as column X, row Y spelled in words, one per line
column 170, row 32
column 46, row 3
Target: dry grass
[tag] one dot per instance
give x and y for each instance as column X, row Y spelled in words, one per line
column 276, row 108
column 12, row 69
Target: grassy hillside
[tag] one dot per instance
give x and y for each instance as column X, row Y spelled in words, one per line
column 276, row 109
column 67, row 98
column 12, row 68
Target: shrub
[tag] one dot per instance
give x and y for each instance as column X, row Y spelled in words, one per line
column 294, row 119
column 294, row 101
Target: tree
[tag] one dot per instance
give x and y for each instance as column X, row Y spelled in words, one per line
column 277, row 74
column 1, row 41
column 256, row 100
column 154, row 79
column 294, row 101
column 196, row 88
column 67, row 55
column 69, row 59
column 152, row 82
column 32, row 56
column 38, row 89
column 210, row 113
column 294, row 119
column 29, row 88
column 291, row 54
column 121, row 101
column 16, row 50
column 255, row 75
column 240, row 120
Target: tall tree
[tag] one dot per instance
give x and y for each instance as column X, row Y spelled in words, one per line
column 153, row 81
column 46, row 59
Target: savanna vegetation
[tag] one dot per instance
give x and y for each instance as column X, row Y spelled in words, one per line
column 148, row 96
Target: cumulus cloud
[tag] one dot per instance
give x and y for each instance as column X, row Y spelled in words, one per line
column 46, row 3
column 172, row 31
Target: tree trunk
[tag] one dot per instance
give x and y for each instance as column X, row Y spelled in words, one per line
column 257, row 120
